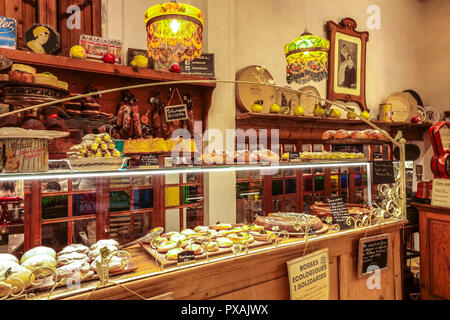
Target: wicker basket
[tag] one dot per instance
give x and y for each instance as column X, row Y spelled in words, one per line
column 96, row 164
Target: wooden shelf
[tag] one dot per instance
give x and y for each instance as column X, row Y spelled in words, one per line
column 286, row 124
column 67, row 63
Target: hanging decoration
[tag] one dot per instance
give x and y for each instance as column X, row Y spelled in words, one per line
column 306, row 57
column 174, row 33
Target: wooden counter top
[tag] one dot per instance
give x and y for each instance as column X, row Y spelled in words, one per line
column 189, row 280
column 431, row 208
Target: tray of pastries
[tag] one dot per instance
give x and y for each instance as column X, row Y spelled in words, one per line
column 74, row 262
column 368, row 136
column 223, row 236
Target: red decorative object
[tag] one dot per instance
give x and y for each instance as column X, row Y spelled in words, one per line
column 109, row 58
column 440, row 139
column 415, row 120
column 175, row 68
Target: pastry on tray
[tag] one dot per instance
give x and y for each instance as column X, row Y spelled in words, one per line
column 287, row 221
column 22, row 73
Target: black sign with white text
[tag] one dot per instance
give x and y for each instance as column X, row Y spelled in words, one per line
column 339, row 211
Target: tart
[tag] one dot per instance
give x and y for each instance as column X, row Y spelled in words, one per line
column 198, row 249
column 241, row 237
column 224, row 242
column 201, row 229
column 46, row 79
column 212, row 247
column 177, row 237
column 173, row 253
column 221, row 226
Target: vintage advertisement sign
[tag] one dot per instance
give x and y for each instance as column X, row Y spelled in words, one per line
column 8, row 33
column 309, row 276
column 97, row 47
column 440, row 193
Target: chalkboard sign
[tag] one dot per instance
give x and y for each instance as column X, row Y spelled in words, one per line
column 176, row 113
column 373, row 254
column 339, row 211
column 186, row 256
column 294, row 155
column 148, row 160
column 203, row 66
column 383, row 172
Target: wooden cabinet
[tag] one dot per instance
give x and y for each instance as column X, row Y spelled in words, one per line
column 434, row 226
column 260, row 275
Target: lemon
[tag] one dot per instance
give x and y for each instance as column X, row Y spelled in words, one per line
column 77, row 51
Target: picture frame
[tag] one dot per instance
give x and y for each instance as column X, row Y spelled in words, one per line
column 347, row 62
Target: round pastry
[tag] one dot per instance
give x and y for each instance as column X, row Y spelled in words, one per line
column 240, row 237
column 4, row 77
column 46, row 78
column 115, row 264
column 68, row 258
column 38, row 261
column 173, row 253
column 62, row 85
column 73, row 106
column 224, row 242
column 212, row 246
column 81, row 267
column 256, row 228
column 91, row 106
column 80, row 248
column 371, row 134
column 166, row 246
column 169, row 234
column 187, row 232
column 8, row 257
column 381, row 136
column 221, row 226
column 196, row 248
column 266, row 155
column 105, row 242
column 177, row 237
column 96, row 252
column 32, row 123
column 341, row 134
column 201, row 229
column 41, row 250
column 23, row 68
column 265, row 236
column 18, row 272
column 329, row 134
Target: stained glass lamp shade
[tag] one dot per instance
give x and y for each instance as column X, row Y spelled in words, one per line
column 307, row 59
column 174, row 32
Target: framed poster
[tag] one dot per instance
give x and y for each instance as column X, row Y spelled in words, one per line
column 347, row 63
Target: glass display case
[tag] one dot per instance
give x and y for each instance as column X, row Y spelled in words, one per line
column 139, row 210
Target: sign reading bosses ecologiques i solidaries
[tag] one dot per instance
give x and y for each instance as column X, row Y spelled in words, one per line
column 309, row 276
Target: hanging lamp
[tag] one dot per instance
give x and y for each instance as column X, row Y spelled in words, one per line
column 174, row 32
column 306, row 57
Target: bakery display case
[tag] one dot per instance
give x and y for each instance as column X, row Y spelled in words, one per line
column 148, row 224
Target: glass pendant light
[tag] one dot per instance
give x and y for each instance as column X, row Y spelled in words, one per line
column 306, row 57
column 174, row 32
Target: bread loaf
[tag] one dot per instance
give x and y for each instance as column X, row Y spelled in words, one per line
column 341, row 134
column 329, row 134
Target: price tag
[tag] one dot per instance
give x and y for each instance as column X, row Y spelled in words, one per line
column 377, row 156
column 148, row 160
column 339, row 211
column 186, row 257
column 373, row 254
column 176, row 113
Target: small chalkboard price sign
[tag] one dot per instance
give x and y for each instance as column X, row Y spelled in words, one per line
column 176, row 113
column 373, row 254
column 383, row 172
column 294, row 155
column 148, row 160
column 339, row 211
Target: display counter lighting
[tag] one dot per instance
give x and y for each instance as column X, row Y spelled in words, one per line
column 176, row 170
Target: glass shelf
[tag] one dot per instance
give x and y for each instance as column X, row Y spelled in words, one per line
column 64, row 174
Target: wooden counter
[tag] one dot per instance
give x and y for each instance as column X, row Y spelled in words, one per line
column 434, row 226
column 260, row 275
